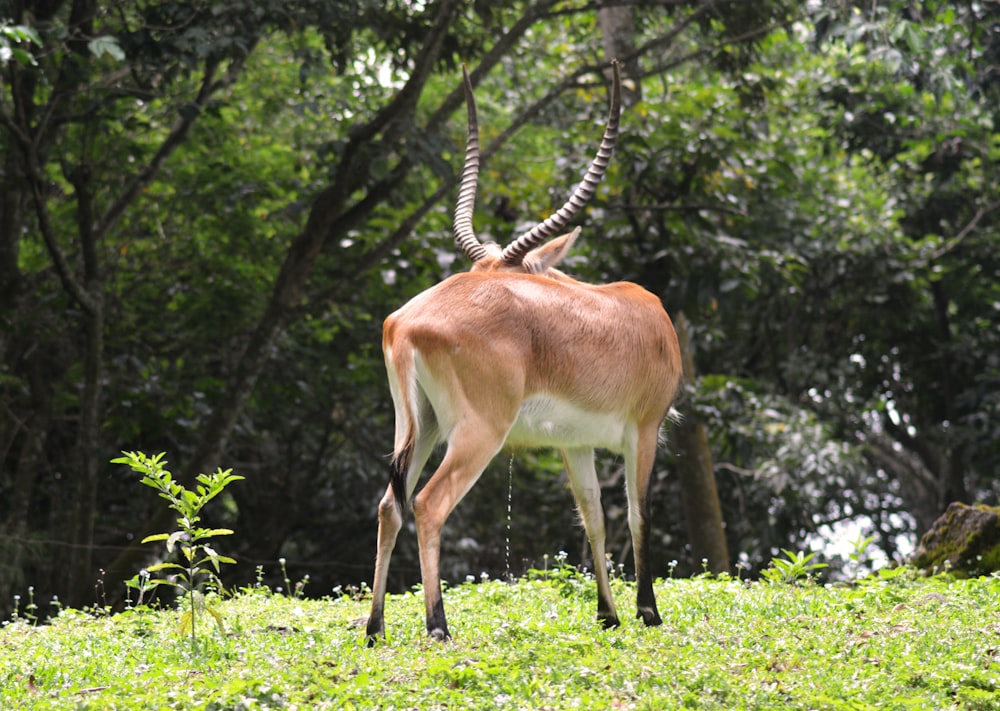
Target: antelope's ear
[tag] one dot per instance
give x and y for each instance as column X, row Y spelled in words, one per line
column 540, row 259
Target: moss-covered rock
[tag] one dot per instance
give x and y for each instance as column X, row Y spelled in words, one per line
column 964, row 540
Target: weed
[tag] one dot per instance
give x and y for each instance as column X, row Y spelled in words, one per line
column 298, row 589
column 859, row 554
column 792, row 568
column 189, row 539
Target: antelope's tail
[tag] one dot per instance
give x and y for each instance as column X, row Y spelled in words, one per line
column 399, row 363
column 397, row 474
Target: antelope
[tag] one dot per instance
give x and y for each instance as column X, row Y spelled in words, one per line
column 514, row 353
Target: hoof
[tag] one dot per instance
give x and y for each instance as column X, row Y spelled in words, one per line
column 373, row 631
column 651, row 618
column 609, row 623
column 438, row 634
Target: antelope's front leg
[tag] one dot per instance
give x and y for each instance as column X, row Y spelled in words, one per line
column 429, row 542
column 587, row 492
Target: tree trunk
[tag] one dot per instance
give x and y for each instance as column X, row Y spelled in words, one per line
column 951, row 470
column 702, row 510
column 617, row 25
column 11, row 197
column 81, row 575
column 33, row 432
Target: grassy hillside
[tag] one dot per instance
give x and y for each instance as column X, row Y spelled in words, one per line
column 891, row 641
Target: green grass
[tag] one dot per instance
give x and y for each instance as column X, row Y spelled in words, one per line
column 894, row 641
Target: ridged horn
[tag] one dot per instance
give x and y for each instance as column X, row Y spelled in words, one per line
column 462, row 224
column 514, row 253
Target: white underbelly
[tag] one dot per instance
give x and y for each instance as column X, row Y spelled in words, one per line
column 546, row 421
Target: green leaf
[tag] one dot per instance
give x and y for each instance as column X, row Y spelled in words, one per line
column 164, row 566
column 106, row 44
column 153, row 583
column 914, row 37
column 187, row 623
column 156, row 537
column 172, row 540
column 218, row 532
column 210, row 557
column 218, row 617
column 21, row 33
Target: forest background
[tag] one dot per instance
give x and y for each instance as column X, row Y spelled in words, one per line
column 207, row 208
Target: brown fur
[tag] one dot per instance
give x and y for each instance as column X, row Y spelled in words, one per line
column 465, row 355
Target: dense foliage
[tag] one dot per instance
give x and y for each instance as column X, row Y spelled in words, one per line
column 206, row 209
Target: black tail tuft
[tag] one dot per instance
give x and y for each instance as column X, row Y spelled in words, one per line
column 397, row 476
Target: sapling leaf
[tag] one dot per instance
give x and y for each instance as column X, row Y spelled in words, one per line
column 172, row 540
column 165, row 566
column 149, row 583
column 215, row 559
column 187, row 623
column 218, row 617
column 218, row 532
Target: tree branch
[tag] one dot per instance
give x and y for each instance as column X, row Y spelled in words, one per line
column 663, row 207
column 20, row 127
column 70, row 283
column 178, row 134
column 965, row 231
column 696, row 54
column 394, row 117
column 489, row 60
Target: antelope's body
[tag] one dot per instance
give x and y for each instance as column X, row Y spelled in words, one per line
column 515, row 353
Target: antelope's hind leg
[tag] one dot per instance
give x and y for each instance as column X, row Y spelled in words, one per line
column 390, row 521
column 471, row 446
column 638, row 475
